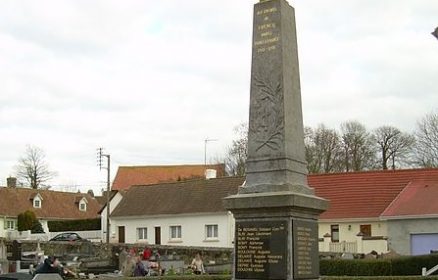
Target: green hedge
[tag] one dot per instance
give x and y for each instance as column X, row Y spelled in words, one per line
column 74, row 225
column 178, row 277
column 378, row 278
column 380, row 267
column 228, row 277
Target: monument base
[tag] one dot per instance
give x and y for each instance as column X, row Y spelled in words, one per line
column 276, row 235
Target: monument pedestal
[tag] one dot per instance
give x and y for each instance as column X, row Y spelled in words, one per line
column 276, row 235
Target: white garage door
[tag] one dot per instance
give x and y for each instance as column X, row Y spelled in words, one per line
column 422, row 244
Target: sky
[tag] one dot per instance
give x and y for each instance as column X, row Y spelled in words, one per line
column 149, row 81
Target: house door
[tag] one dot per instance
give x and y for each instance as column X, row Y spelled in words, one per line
column 366, row 230
column 158, row 235
column 122, row 234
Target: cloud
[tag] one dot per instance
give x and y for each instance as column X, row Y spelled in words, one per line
column 149, row 81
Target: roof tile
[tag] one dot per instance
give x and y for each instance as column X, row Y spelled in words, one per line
column 351, row 195
column 128, row 176
column 55, row 205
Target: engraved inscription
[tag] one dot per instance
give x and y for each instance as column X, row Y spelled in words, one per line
column 305, row 249
column 260, row 250
column 267, row 33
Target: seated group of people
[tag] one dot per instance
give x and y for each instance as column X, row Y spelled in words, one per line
column 53, row 265
column 147, row 264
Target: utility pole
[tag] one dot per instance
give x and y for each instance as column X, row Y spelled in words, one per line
column 100, row 154
column 205, row 150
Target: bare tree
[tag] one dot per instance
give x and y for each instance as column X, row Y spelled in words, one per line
column 394, row 146
column 33, row 167
column 358, row 147
column 235, row 160
column 323, row 150
column 426, row 148
column 313, row 164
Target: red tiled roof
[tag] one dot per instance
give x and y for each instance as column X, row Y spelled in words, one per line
column 128, row 176
column 365, row 194
column 353, row 195
column 418, row 198
column 192, row 196
column 54, row 205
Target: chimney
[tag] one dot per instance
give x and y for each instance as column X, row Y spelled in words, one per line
column 210, row 174
column 11, row 182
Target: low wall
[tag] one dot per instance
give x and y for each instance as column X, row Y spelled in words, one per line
column 68, row 250
column 92, row 235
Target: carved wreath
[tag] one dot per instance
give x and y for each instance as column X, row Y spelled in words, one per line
column 268, row 121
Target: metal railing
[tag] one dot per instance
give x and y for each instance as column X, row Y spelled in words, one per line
column 343, row 247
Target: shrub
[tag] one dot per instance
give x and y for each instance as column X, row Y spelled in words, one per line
column 37, row 228
column 74, row 225
column 409, row 265
column 27, row 221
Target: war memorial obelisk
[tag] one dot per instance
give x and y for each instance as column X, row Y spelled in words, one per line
column 276, row 232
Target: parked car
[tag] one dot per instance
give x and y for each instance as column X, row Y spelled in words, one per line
column 68, row 236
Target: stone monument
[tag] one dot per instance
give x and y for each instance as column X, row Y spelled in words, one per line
column 276, row 232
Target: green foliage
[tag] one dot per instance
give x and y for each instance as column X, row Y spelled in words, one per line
column 74, row 225
column 26, row 221
column 355, row 267
column 37, row 228
column 191, row 277
column 228, row 277
column 411, row 265
column 378, row 278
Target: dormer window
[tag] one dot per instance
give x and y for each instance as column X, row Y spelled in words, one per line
column 37, row 201
column 83, row 204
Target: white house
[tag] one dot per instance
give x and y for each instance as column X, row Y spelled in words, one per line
column 115, row 198
column 187, row 213
column 190, row 213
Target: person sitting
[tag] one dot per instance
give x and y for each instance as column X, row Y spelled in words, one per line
column 197, row 265
column 50, row 265
column 139, row 269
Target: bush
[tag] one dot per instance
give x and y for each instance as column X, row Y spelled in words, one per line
column 228, row 277
column 379, row 278
column 27, row 221
column 37, row 228
column 411, row 265
column 74, row 225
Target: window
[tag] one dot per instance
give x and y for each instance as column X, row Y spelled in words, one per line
column 83, row 206
column 36, row 203
column 211, row 231
column 10, row 224
column 142, row 233
column 175, row 232
column 335, row 233
column 366, row 230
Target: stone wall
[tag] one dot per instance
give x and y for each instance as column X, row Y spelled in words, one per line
column 68, row 250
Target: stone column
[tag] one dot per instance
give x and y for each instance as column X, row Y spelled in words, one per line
column 276, row 211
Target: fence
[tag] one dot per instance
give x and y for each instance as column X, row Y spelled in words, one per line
column 363, row 245
column 343, row 247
